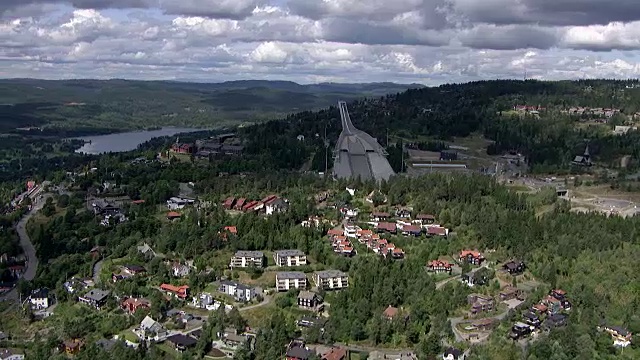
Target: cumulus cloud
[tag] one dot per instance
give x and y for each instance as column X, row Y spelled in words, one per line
column 427, row 41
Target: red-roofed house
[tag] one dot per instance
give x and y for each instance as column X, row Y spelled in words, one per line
column 179, row 291
column 397, row 253
column 437, row 230
column 386, row 226
column 335, row 232
column 390, row 312
column 439, row 266
column 335, row 353
column 228, row 203
column 171, row 215
column 231, row 230
column 182, row 148
column 131, row 305
column 239, row 204
column 471, row 256
column 249, row 206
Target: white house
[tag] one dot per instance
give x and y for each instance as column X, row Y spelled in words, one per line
column 331, row 279
column 276, row 205
column 290, row 258
column 244, row 259
column 177, row 203
column 286, row 280
column 39, row 299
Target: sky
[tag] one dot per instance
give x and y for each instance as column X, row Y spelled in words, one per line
column 308, row 41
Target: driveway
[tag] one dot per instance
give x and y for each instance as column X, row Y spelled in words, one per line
column 265, row 301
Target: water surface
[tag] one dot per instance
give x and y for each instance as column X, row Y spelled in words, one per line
column 126, row 141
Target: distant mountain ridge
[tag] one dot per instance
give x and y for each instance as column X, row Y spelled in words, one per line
column 130, row 104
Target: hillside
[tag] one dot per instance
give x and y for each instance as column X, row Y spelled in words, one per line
column 549, row 138
column 123, row 104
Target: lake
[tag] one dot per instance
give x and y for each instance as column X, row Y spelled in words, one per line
column 126, row 141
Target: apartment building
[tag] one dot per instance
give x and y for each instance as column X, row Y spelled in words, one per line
column 331, row 279
column 286, row 280
column 290, row 258
column 244, row 259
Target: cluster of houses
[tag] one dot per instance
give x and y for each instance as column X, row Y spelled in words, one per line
column 225, row 144
column 549, row 313
column 598, row 111
column 378, row 245
column 179, row 202
column 269, row 205
column 529, row 109
column 423, row 223
column 340, row 242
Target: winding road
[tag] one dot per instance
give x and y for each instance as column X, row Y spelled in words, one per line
column 27, row 247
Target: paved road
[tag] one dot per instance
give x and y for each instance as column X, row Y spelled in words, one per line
column 265, row 301
column 27, row 247
column 444, row 282
column 97, row 269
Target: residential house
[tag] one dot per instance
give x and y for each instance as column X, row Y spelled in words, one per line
column 395, row 252
column 73, row 346
column 150, row 329
column 480, row 303
column 289, row 258
column 411, row 230
column 474, row 278
column 514, row 267
column 131, row 305
column 425, row 219
column 380, row 216
column 133, row 270
column 558, row 294
column 621, row 336
column 146, row 251
column 386, row 227
column 520, row 330
column 472, row 257
column 286, row 280
column 452, row 353
column 179, row 148
column 172, row 215
column 531, row 319
column 178, row 203
column 96, row 298
column 227, row 204
column 510, row 292
column 554, row 305
column 335, row 353
column 335, row 232
column 180, row 270
column 240, row 292
column 40, row 299
column 331, row 279
column 181, row 342
column 437, row 230
column 555, row 321
column 390, row 312
column 233, row 340
column 11, row 354
column 181, row 292
column 403, row 213
column 298, row 353
column 440, row 266
column 240, row 204
column 276, row 205
column 309, row 300
column 245, row 259
column 103, row 207
column 351, row 230
column 485, row 324
column 539, row 309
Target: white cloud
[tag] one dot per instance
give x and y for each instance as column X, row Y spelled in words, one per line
column 428, row 41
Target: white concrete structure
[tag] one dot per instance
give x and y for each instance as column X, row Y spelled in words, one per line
column 286, row 280
column 290, row 258
column 244, row 259
column 331, row 279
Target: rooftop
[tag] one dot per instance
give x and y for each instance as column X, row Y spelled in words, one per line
column 245, row 253
column 293, row 252
column 290, row 275
column 325, row 274
column 97, row 294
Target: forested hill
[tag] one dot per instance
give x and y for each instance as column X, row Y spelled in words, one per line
column 124, row 104
column 550, row 139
